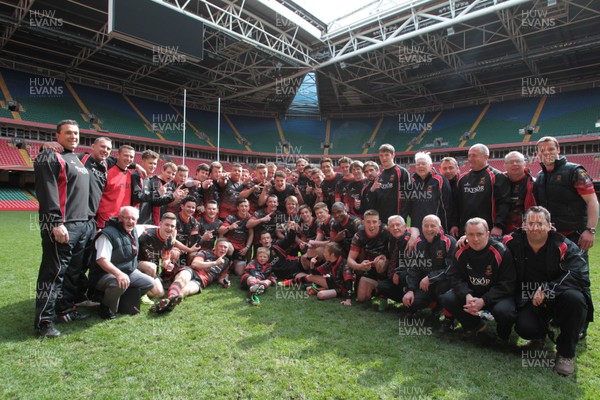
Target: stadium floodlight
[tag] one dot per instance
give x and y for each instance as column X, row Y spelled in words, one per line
column 598, row 123
column 343, row 65
column 552, row 3
column 451, row 31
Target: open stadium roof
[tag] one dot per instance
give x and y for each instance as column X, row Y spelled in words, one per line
column 409, row 55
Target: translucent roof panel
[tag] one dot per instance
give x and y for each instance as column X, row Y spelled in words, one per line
column 338, row 14
column 306, row 101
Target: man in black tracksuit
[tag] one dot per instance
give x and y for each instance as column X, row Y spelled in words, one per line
column 428, row 265
column 567, row 192
column 391, row 185
column 63, row 190
column 483, row 278
column 428, row 193
column 75, row 284
column 147, row 193
column 552, row 284
column 483, row 192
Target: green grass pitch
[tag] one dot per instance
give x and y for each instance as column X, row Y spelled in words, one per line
column 215, row 345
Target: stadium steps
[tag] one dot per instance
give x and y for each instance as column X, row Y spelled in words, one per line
column 449, row 126
column 503, row 121
column 8, row 97
column 389, row 133
column 26, row 157
column 261, row 132
column 424, row 131
column 208, row 122
column 81, row 105
column 162, row 120
column 15, row 199
column 115, row 114
column 280, row 131
column 373, row 135
column 327, row 136
column 535, row 118
column 44, row 99
column 239, row 137
column 473, row 127
column 33, row 148
column 143, row 118
column 10, row 156
column 197, row 132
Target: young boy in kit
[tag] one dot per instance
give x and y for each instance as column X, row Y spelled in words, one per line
column 258, row 275
column 336, row 279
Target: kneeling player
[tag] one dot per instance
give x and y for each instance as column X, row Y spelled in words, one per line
column 207, row 266
column 368, row 255
column 336, row 278
column 427, row 266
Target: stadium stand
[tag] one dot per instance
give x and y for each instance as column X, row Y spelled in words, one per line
column 15, row 199
column 348, row 135
column 570, row 113
column 206, row 122
column 304, row 136
column 42, row 98
column 450, row 126
column 261, row 132
column 115, row 114
column 162, row 117
column 503, row 120
column 389, row 132
column 10, row 155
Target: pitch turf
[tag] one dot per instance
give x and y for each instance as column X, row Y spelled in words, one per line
column 215, row 345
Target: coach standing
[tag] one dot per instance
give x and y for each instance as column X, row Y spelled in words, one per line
column 62, row 185
column 567, row 191
column 482, row 192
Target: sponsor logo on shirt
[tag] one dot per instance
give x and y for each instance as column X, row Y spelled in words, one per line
column 479, row 281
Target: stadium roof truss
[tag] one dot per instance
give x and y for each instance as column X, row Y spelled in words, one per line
column 414, row 55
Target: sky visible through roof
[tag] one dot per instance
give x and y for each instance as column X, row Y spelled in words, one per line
column 346, row 11
column 336, row 14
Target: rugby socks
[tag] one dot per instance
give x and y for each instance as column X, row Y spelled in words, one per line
column 300, row 279
column 174, row 290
